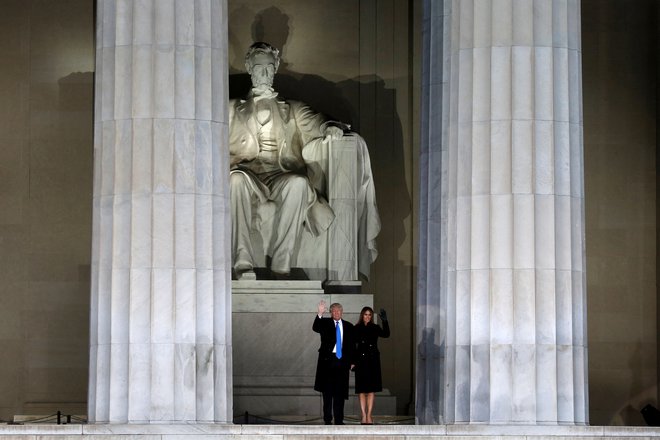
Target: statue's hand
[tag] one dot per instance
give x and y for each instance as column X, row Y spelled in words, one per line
column 332, row 133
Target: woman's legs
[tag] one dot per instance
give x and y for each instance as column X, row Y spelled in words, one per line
column 370, row 406
column 363, row 406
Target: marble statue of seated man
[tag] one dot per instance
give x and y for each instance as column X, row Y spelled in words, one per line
column 267, row 135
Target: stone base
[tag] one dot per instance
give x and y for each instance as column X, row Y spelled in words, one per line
column 291, row 432
column 296, row 402
column 275, row 350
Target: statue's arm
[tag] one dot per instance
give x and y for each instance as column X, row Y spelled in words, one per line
column 313, row 124
column 309, row 122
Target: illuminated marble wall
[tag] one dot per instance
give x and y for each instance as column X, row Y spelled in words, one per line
column 46, row 85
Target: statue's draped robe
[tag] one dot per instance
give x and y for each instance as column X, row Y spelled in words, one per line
column 298, row 131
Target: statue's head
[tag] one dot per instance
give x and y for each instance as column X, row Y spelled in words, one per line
column 261, row 62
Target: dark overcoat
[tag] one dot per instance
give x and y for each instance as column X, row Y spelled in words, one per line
column 368, row 378
column 326, row 328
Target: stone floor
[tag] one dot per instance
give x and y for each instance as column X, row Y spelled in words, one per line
column 304, row 432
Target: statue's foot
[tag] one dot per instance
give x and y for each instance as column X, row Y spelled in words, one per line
column 244, row 271
column 246, row 275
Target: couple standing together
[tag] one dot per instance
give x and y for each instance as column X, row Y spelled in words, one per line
column 346, row 347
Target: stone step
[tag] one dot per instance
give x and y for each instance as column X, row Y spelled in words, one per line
column 210, row 431
column 288, row 286
column 276, row 402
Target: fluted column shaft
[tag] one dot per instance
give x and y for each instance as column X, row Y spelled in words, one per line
column 514, row 337
column 160, row 337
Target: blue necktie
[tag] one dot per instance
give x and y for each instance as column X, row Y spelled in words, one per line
column 338, row 336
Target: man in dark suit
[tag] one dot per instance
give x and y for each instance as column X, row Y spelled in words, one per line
column 335, row 361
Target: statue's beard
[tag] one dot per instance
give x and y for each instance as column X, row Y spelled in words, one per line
column 262, row 82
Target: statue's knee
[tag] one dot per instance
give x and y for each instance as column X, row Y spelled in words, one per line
column 237, row 180
column 240, row 189
column 297, row 183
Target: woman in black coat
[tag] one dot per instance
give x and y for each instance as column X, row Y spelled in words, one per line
column 367, row 360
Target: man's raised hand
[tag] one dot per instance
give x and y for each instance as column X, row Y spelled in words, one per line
column 321, row 308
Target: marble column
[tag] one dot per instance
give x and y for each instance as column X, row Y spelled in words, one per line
column 160, row 342
column 502, row 285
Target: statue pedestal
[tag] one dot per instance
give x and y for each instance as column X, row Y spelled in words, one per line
column 275, row 350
